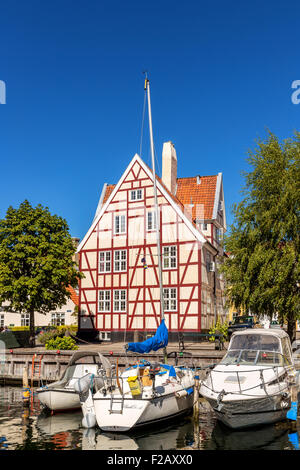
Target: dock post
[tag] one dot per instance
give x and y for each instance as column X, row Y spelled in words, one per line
column 26, row 389
column 196, row 398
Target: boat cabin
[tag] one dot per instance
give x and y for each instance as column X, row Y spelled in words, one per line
column 259, row 347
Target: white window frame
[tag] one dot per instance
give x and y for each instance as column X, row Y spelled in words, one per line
column 120, row 224
column 25, row 319
column 122, row 260
column 120, row 301
column 170, row 299
column 2, row 320
column 219, row 235
column 106, row 262
column 58, row 318
column 136, row 194
column 105, row 302
column 204, row 226
column 169, row 259
column 151, row 221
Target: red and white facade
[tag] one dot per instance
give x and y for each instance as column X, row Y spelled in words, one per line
column 118, row 256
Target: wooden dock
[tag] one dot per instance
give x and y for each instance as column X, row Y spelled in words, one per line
column 47, row 366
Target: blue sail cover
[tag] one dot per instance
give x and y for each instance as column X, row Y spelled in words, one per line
column 159, row 340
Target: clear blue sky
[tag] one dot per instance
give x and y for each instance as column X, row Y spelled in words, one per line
column 220, row 74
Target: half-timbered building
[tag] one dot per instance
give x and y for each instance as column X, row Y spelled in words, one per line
column 120, row 294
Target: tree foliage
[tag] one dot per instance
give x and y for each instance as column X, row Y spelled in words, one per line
column 36, row 265
column 263, row 270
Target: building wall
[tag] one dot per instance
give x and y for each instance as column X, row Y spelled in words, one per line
column 140, row 285
column 15, row 319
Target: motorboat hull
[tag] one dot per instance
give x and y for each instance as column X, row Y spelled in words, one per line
column 244, row 413
column 59, row 399
column 139, row 412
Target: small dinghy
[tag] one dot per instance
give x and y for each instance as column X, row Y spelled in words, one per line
column 61, row 395
column 252, row 384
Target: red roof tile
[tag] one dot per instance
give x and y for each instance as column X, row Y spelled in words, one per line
column 199, row 191
column 74, row 296
column 109, row 190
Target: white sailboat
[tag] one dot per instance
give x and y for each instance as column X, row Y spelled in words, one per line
column 146, row 393
column 252, row 385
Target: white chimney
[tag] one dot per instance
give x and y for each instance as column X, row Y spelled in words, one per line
column 169, row 167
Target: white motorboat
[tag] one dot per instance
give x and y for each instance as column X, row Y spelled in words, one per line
column 252, row 384
column 61, row 395
column 141, row 395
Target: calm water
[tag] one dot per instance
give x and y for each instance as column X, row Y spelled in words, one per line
column 29, row 428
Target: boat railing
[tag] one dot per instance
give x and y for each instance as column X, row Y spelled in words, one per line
column 286, row 374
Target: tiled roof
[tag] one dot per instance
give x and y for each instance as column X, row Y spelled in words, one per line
column 199, row 191
column 74, row 296
column 109, row 190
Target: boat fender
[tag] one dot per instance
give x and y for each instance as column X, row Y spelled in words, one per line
column 184, row 393
column 89, row 421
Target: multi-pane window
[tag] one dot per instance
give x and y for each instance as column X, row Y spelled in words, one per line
column 57, row 318
column 25, row 319
column 151, row 220
column 218, row 235
column 104, row 301
column 204, row 225
column 136, row 195
column 170, row 299
column 2, row 321
column 104, row 262
column 120, row 260
column 120, row 300
column 120, row 224
column 169, row 257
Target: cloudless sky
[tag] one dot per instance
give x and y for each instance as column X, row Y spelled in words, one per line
column 220, row 75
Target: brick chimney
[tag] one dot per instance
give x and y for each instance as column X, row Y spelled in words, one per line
column 169, row 167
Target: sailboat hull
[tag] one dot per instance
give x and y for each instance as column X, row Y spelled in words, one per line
column 135, row 413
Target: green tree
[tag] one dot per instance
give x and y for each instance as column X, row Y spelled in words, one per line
column 263, row 270
column 36, row 264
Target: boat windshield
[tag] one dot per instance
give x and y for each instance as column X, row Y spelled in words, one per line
column 255, row 342
column 255, row 349
column 254, row 357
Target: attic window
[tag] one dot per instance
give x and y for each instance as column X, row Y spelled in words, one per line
column 136, row 195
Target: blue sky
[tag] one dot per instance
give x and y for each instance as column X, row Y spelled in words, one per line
column 220, row 74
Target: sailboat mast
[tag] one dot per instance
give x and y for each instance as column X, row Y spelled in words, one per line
column 157, row 225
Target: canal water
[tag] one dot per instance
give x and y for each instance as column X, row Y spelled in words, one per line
column 31, row 429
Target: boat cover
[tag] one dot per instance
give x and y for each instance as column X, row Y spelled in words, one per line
column 158, row 341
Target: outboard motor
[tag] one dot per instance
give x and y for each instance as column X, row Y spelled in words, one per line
column 84, row 387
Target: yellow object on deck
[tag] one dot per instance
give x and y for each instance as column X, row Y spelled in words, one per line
column 146, row 381
column 134, row 385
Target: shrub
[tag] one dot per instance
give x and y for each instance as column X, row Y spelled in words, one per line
column 64, row 343
column 219, row 328
column 58, row 331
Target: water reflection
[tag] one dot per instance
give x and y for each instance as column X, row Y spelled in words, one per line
column 29, row 428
